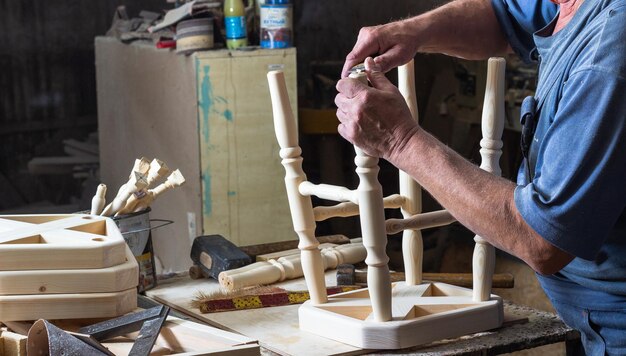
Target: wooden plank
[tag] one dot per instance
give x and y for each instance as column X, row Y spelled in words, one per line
column 60, row 165
column 276, row 328
column 67, row 306
column 95, row 280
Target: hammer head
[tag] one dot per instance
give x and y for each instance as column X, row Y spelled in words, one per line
column 214, row 254
column 346, row 275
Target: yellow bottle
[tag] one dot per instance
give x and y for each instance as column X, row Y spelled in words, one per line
column 235, row 24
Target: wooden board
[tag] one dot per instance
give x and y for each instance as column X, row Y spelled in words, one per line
column 179, row 337
column 95, row 280
column 67, row 306
column 43, row 242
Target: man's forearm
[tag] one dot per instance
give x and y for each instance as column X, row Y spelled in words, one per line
column 482, row 202
column 462, row 28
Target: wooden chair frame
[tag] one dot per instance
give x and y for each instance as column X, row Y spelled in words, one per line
column 387, row 316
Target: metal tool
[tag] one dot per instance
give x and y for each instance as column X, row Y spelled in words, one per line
column 46, row 339
column 527, row 119
column 123, row 325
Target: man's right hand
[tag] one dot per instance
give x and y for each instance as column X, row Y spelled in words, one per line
column 392, row 45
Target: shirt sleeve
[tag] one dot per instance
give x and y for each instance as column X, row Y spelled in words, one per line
column 579, row 192
column 519, row 19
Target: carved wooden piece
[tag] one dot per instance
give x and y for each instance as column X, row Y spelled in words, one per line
column 370, row 198
column 158, row 169
column 288, row 267
column 136, row 183
column 484, row 259
column 328, row 192
column 412, row 243
column 98, row 200
column 141, row 200
column 348, row 209
column 300, row 206
column 420, row 221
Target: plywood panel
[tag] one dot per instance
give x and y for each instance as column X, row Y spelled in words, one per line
column 244, row 197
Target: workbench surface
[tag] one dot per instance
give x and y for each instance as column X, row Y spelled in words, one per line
column 277, row 331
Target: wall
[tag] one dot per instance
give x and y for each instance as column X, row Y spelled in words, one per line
column 47, row 86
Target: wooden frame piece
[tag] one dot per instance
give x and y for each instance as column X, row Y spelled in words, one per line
column 68, row 306
column 421, row 314
column 53, row 242
column 94, row 280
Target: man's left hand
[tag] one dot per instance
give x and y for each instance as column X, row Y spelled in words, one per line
column 376, row 119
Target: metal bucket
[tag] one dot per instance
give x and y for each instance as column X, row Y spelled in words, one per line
column 136, row 229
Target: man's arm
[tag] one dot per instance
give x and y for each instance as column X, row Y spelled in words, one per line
column 377, row 120
column 480, row 201
column 462, row 28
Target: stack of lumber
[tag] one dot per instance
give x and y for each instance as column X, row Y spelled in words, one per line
column 64, row 267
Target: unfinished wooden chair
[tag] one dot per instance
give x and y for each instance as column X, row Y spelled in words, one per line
column 386, row 316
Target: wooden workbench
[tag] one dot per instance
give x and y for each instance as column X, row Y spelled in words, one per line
column 278, row 333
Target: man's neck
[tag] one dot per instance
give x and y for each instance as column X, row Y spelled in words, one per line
column 568, row 9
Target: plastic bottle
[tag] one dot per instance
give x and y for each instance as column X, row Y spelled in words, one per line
column 276, row 24
column 235, row 24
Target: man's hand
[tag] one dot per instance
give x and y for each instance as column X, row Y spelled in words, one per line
column 394, row 44
column 375, row 119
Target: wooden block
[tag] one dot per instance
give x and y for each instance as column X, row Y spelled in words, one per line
column 214, row 254
column 97, row 280
column 295, row 251
column 43, row 242
column 67, row 306
column 14, row 344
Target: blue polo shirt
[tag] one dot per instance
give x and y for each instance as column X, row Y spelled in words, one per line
column 576, row 198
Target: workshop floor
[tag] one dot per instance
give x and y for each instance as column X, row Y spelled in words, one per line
column 458, row 258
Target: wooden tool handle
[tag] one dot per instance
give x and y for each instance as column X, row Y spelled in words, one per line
column 98, row 200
